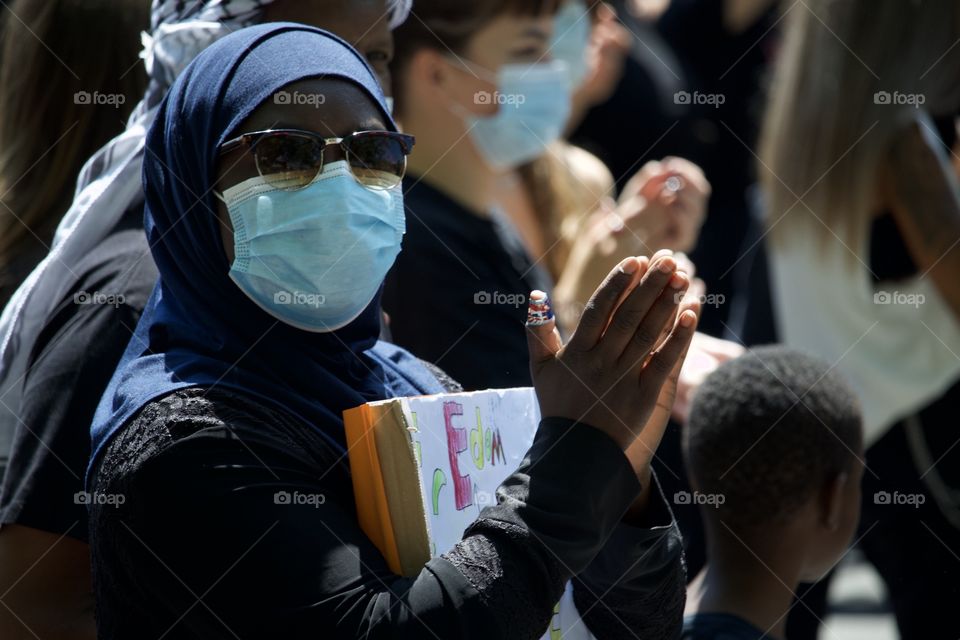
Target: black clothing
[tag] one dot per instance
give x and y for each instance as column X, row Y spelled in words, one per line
column 719, row 626
column 73, row 359
column 199, row 547
column 914, row 546
column 21, row 264
column 642, row 120
column 457, row 295
column 33, row 250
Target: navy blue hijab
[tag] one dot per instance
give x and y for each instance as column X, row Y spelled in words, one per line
column 198, row 328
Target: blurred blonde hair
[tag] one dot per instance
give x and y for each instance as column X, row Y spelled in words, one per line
column 832, row 115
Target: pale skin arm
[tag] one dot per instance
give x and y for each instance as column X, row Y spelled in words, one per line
column 646, row 218
column 922, row 190
column 45, row 586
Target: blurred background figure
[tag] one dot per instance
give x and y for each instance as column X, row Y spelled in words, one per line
column 498, row 203
column 62, row 100
column 691, row 84
column 860, row 249
column 691, row 87
column 71, row 76
column 780, row 488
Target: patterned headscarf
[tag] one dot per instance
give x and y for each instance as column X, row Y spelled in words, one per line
column 179, row 33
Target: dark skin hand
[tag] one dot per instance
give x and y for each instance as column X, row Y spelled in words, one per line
column 619, row 370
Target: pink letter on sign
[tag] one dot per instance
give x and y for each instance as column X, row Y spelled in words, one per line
column 457, row 442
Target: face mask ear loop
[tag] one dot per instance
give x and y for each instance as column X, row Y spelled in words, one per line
column 472, row 68
column 455, row 107
column 218, row 196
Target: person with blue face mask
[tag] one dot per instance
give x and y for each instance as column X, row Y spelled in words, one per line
column 263, row 174
column 538, row 96
column 498, row 204
column 313, row 241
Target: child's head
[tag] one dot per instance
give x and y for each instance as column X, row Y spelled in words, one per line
column 778, row 435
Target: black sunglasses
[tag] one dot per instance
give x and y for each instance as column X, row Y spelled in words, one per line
column 290, row 159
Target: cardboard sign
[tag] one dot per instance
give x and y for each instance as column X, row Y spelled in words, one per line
column 423, row 468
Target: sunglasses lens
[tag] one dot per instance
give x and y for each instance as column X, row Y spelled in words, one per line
column 377, row 161
column 288, row 161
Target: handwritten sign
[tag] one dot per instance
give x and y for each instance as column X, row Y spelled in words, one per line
column 466, row 445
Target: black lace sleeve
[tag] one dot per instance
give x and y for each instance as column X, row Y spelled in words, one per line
column 217, row 518
column 449, row 384
column 636, row 586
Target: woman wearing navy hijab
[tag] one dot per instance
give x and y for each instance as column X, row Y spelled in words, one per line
column 273, row 214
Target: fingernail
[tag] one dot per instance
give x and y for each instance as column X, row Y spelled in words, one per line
column 539, row 311
column 668, row 265
column 687, row 318
column 629, row 266
column 679, row 280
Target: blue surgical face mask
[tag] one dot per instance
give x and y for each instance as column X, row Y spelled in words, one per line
column 316, row 257
column 571, row 35
column 533, row 106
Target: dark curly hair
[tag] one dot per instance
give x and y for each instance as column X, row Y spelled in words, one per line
column 766, row 430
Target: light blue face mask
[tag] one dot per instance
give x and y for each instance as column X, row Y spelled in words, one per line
column 316, row 257
column 571, row 35
column 534, row 104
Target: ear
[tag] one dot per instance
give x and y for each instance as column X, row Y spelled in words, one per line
column 832, row 500
column 428, row 69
